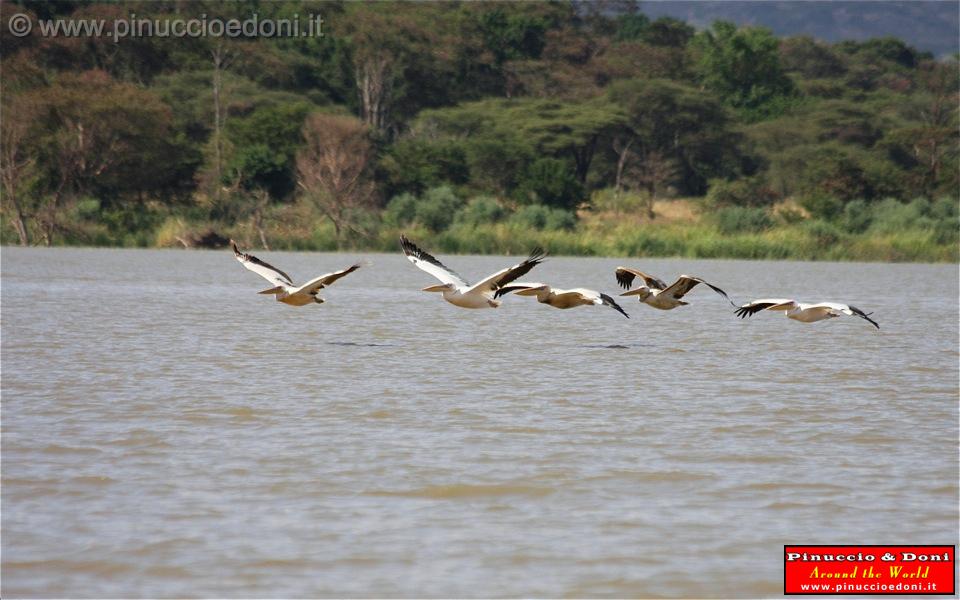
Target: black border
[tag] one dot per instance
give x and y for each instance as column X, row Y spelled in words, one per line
column 953, row 592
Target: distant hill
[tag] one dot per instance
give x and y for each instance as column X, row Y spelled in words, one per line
column 933, row 26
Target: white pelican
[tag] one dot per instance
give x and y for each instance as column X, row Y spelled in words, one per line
column 284, row 289
column 558, row 298
column 657, row 294
column 805, row 313
column 458, row 292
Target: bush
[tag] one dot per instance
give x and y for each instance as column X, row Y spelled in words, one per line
column 550, row 182
column 88, row 208
column 945, row 209
column 401, row 210
column 857, row 216
column 479, row 211
column 822, row 206
column 740, row 219
column 537, row 216
column 944, row 212
column 824, row 234
column 436, row 209
column 893, row 216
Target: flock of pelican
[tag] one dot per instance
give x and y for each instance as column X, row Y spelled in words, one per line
column 487, row 292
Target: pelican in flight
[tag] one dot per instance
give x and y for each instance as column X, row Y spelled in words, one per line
column 805, row 313
column 657, row 294
column 283, row 287
column 559, row 298
column 458, row 292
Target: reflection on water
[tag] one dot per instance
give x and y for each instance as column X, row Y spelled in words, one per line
column 168, row 432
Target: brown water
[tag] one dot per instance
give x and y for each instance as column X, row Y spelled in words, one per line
column 168, row 432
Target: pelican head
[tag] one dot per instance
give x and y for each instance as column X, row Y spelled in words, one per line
column 444, row 287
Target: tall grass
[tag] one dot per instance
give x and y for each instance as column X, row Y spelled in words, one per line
column 919, row 231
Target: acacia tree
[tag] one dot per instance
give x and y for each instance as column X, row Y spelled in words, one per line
column 333, row 168
column 935, row 142
column 652, row 174
column 17, row 162
column 566, row 130
column 671, row 133
column 98, row 137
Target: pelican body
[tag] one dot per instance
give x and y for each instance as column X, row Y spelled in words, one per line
column 656, row 293
column 283, row 288
column 455, row 289
column 560, row 298
column 803, row 312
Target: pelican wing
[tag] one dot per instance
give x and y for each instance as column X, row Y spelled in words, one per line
column 685, row 283
column 626, row 276
column 846, row 309
column 425, row 262
column 518, row 286
column 319, row 283
column 268, row 272
column 756, row 306
column 510, row 274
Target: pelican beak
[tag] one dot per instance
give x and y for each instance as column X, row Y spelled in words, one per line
column 435, row 288
column 634, row 292
column 528, row 292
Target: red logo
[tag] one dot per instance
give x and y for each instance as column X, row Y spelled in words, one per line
column 860, row 570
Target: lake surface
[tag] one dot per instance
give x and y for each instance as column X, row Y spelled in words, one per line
column 168, row 432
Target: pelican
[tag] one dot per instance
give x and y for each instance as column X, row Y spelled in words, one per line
column 283, row 287
column 657, row 294
column 805, row 313
column 458, row 292
column 559, row 298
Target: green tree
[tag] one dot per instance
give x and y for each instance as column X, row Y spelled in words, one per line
column 266, row 142
column 742, row 66
column 631, row 27
column 510, row 36
column 667, row 31
column 414, row 164
column 398, row 61
column 551, row 182
column 501, row 137
column 18, row 161
column 810, row 58
column 685, row 132
column 100, row 138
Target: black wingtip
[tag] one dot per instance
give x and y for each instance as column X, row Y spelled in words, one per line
column 612, row 304
column 537, row 255
column 411, row 249
column 864, row 315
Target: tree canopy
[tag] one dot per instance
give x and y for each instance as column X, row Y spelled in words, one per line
column 533, row 103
